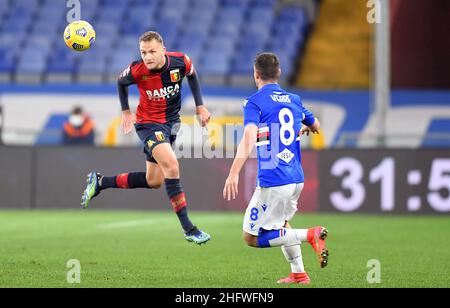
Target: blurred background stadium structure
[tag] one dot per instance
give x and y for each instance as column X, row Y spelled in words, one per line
column 329, row 52
column 221, row 37
column 323, row 46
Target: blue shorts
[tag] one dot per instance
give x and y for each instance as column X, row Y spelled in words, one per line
column 152, row 134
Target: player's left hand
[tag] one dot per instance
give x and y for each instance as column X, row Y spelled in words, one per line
column 231, row 187
column 306, row 130
column 203, row 115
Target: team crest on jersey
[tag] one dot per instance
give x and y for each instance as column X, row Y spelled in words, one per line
column 175, row 75
column 145, row 77
column 159, row 136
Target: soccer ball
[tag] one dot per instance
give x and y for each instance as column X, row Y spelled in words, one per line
column 79, row 35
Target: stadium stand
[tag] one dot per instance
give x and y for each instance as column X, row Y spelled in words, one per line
column 340, row 50
column 221, row 36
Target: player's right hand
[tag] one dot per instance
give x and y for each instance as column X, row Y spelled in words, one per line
column 203, row 115
column 231, row 187
column 128, row 120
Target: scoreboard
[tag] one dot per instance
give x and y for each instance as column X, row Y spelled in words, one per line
column 384, row 181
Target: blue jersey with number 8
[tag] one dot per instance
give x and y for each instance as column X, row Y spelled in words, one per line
column 279, row 116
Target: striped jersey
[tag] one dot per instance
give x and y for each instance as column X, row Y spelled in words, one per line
column 159, row 91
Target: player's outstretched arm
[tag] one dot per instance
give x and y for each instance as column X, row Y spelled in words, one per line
column 202, row 112
column 314, row 128
column 243, row 152
column 204, row 116
column 128, row 118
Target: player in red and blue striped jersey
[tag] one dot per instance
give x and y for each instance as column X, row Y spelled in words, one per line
column 158, row 76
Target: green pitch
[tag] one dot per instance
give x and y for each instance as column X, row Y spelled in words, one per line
column 147, row 249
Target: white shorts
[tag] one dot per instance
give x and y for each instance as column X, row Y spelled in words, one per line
column 271, row 207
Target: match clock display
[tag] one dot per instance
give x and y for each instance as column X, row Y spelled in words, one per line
column 385, row 181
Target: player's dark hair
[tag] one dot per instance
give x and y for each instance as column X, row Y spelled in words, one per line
column 150, row 36
column 77, row 110
column 268, row 66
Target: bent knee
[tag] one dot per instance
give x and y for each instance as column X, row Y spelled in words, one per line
column 250, row 240
column 171, row 170
column 155, row 183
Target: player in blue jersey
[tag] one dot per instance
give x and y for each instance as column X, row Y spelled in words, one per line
column 273, row 120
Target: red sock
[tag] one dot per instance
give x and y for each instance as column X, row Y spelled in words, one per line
column 122, row 180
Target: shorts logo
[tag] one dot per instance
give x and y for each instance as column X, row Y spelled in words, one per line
column 150, row 143
column 175, row 75
column 159, row 136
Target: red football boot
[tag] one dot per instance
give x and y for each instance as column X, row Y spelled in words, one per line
column 301, row 278
column 316, row 237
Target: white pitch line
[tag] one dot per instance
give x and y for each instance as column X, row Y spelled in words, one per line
column 131, row 223
column 152, row 221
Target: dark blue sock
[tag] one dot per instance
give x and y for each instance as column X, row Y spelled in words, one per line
column 186, row 223
column 137, row 180
column 178, row 200
column 125, row 180
column 108, row 182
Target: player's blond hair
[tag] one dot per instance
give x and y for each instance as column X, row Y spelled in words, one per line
column 150, row 36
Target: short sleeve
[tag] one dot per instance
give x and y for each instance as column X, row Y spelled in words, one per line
column 308, row 117
column 252, row 113
column 126, row 77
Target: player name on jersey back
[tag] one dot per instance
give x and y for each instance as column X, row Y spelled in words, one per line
column 281, row 98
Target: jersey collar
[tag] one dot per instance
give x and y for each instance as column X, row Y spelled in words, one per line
column 270, row 86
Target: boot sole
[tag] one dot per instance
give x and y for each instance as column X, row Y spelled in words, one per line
column 324, row 254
